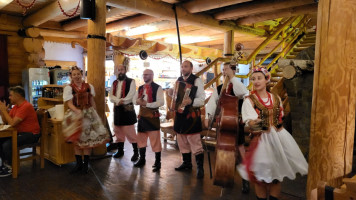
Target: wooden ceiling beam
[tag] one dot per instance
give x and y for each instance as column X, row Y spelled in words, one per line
column 243, row 40
column 300, row 10
column 49, row 12
column 163, row 10
column 204, row 5
column 258, row 7
column 51, row 25
column 148, row 28
column 79, row 23
column 169, row 32
column 130, row 22
column 62, row 34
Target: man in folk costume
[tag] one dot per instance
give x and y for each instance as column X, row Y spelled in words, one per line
column 150, row 98
column 234, row 88
column 121, row 94
column 188, row 125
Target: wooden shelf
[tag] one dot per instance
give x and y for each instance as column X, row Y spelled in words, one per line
column 52, row 99
column 54, row 86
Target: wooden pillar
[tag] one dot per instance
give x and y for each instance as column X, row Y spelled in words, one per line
column 229, row 43
column 96, row 62
column 334, row 92
column 96, row 56
column 228, row 47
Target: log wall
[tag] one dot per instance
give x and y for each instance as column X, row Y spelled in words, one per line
column 23, row 51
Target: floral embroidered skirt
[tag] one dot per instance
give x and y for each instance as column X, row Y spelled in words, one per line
column 85, row 130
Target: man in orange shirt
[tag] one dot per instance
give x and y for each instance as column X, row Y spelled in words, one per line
column 24, row 118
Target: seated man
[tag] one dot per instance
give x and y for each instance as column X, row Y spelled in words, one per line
column 24, row 118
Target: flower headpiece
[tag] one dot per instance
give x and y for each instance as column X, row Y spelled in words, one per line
column 259, row 68
column 75, row 68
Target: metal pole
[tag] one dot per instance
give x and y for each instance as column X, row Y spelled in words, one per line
column 180, row 48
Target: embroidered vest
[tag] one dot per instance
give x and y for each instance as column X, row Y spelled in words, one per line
column 154, row 87
column 81, row 97
column 219, row 90
column 127, row 83
column 269, row 116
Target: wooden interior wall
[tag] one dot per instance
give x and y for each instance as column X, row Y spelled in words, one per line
column 9, row 26
column 16, row 59
column 23, row 52
column 333, row 109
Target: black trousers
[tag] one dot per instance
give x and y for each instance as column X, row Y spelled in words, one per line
column 22, row 139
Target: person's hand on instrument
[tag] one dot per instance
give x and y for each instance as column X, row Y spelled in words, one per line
column 255, row 125
column 186, row 101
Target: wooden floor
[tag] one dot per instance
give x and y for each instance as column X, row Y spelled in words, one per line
column 115, row 179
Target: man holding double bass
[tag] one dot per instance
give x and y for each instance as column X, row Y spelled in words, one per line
column 187, row 121
column 234, row 88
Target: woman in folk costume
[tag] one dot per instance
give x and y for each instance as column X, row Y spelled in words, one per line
column 273, row 153
column 82, row 124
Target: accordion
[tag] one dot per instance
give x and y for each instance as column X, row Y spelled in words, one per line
column 181, row 91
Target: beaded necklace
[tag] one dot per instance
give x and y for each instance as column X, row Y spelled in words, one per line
column 268, row 100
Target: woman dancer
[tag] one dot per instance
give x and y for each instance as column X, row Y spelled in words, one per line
column 82, row 124
column 273, row 153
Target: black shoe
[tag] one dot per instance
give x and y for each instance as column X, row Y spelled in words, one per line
column 142, row 160
column 158, row 159
column 184, row 166
column 86, row 164
column 135, row 150
column 245, row 186
column 200, row 165
column 272, row 198
column 187, row 162
column 120, row 150
column 4, row 173
column 111, row 146
column 157, row 166
column 78, row 166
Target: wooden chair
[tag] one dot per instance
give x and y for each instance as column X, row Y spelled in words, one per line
column 42, row 116
column 346, row 191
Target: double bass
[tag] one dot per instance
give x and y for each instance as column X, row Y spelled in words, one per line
column 226, row 147
column 226, row 115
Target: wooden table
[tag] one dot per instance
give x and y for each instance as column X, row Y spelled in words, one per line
column 12, row 132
